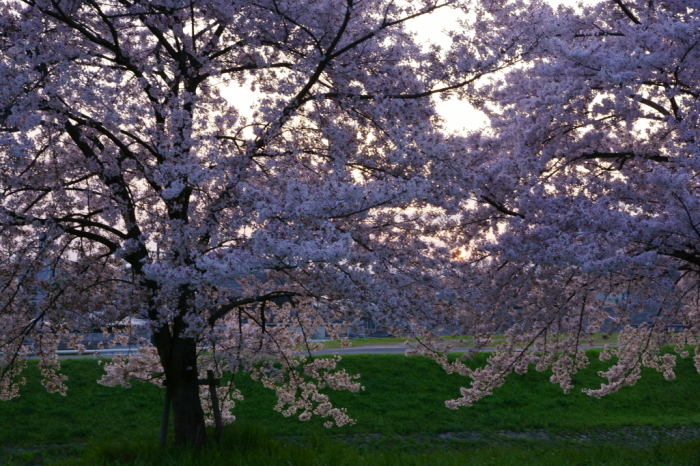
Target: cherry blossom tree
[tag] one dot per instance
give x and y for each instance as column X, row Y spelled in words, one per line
column 136, row 183
column 585, row 188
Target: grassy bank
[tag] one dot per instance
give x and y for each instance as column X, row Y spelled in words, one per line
column 406, row 395
column 404, row 398
column 246, row 445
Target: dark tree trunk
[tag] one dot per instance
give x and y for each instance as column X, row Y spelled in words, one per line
column 179, row 359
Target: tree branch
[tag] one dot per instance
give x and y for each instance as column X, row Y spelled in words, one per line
column 93, row 237
column 623, row 156
column 500, row 207
column 652, row 104
column 627, row 11
column 234, row 303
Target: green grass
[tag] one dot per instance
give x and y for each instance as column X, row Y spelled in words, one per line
column 359, row 342
column 402, row 395
column 406, row 395
column 598, row 340
column 403, row 401
column 89, row 410
column 248, row 445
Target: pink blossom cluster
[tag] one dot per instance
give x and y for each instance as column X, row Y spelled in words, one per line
column 584, row 212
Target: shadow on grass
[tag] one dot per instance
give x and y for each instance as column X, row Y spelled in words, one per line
column 251, row 445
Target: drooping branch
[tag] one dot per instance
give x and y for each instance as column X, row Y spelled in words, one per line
column 500, row 207
column 650, row 103
column 627, row 11
column 254, row 66
column 236, row 302
column 691, row 258
column 23, row 220
column 622, row 156
column 111, row 245
column 411, row 95
column 91, row 223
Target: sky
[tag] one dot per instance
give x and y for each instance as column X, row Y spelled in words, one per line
column 459, row 115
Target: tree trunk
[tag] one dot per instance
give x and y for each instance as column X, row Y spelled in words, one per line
column 179, row 359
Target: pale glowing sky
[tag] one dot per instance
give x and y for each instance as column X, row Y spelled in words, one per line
column 459, row 115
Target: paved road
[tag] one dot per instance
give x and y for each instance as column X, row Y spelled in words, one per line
column 372, row 349
column 368, row 349
column 396, row 348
